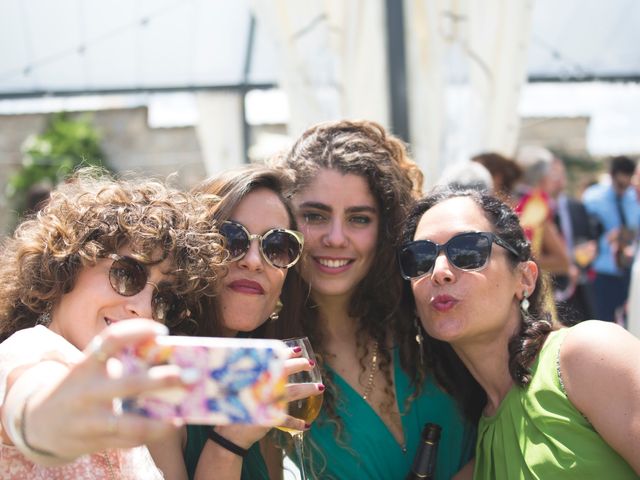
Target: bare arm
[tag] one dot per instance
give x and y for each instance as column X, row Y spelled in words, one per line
column 168, row 455
column 466, row 473
column 600, row 363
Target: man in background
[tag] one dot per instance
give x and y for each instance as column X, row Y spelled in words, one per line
column 616, row 208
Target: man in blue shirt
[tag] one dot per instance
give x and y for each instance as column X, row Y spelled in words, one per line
column 617, row 209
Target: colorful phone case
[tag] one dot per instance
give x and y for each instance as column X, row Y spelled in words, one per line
column 240, row 380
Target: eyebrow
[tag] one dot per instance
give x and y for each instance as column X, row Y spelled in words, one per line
column 327, row 208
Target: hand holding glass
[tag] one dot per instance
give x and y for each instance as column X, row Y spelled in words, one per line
column 308, row 408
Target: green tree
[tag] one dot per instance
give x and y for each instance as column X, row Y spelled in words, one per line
column 50, row 157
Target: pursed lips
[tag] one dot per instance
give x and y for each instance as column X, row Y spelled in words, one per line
column 443, row 303
column 246, row 286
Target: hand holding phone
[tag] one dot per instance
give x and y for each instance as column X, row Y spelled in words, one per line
column 235, row 380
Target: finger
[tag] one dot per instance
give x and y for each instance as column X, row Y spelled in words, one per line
column 295, row 352
column 116, row 337
column 295, row 365
column 295, row 424
column 297, row 391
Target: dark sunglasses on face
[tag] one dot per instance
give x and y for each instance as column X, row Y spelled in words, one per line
column 128, row 277
column 280, row 247
column 467, row 251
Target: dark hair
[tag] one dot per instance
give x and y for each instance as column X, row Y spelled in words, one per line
column 224, row 193
column 622, row 164
column 534, row 327
column 91, row 216
column 500, row 166
column 363, row 148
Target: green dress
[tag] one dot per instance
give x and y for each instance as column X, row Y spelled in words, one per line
column 253, row 466
column 537, row 433
column 368, row 450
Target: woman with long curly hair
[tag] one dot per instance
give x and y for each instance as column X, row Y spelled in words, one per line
column 551, row 402
column 102, row 251
column 354, row 185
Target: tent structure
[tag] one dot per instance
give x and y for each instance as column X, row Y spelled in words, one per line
column 445, row 75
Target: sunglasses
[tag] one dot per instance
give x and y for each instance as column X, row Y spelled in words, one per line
column 280, row 247
column 466, row 251
column 128, row 277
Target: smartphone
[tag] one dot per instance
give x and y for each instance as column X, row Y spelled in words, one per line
column 239, row 380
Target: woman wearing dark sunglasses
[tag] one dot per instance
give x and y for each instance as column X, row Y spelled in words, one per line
column 354, row 185
column 258, row 291
column 551, row 403
column 100, row 252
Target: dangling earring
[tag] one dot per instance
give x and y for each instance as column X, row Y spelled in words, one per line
column 276, row 311
column 419, row 339
column 524, row 303
column 45, row 317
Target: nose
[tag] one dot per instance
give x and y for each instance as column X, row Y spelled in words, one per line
column 139, row 305
column 335, row 236
column 443, row 271
column 252, row 260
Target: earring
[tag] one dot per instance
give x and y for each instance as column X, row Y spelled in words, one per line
column 45, row 317
column 419, row 339
column 524, row 303
column 276, row 311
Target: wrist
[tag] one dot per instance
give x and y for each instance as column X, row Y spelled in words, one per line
column 227, row 443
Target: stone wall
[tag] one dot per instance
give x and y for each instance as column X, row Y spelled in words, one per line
column 129, row 145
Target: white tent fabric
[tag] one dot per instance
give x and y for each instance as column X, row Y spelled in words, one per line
column 332, row 58
column 464, row 84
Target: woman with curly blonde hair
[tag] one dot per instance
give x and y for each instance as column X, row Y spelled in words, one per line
column 101, row 251
column 354, row 185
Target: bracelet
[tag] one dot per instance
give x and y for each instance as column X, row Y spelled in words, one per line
column 226, row 443
column 22, row 440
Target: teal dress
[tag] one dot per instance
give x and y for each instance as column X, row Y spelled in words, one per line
column 253, row 466
column 367, row 449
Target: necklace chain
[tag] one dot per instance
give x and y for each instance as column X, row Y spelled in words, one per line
column 373, row 367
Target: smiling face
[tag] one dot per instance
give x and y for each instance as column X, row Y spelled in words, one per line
column 456, row 305
column 252, row 287
column 339, row 218
column 93, row 303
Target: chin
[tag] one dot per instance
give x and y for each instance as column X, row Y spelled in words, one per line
column 445, row 330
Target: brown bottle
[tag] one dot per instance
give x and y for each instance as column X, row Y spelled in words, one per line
column 424, row 463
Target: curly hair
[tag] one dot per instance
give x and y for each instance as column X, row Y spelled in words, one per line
column 534, row 326
column 91, row 216
column 363, row 148
column 224, row 193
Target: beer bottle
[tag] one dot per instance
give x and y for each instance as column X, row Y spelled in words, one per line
column 424, row 463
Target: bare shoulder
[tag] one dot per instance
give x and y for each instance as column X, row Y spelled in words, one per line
column 597, row 353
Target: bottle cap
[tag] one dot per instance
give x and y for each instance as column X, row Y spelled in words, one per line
column 431, row 432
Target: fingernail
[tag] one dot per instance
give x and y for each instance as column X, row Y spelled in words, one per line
column 312, row 363
column 321, row 387
column 307, row 426
column 297, row 349
column 189, row 375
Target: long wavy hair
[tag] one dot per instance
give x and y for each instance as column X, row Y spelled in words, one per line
column 91, row 216
column 534, row 327
column 223, row 194
column 363, row 148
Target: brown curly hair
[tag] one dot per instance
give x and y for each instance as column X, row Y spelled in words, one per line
column 91, row 216
column 365, row 149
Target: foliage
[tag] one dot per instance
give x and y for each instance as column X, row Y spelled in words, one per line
column 50, row 157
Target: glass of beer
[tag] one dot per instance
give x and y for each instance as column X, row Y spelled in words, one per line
column 306, row 409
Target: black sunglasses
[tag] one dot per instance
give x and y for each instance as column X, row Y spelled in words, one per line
column 466, row 251
column 128, row 277
column 280, row 247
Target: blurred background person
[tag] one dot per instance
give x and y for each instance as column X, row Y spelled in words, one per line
column 464, row 175
column 579, row 231
column 535, row 211
column 616, row 207
column 505, row 173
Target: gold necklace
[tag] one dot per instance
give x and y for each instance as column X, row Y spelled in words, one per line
column 373, row 367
